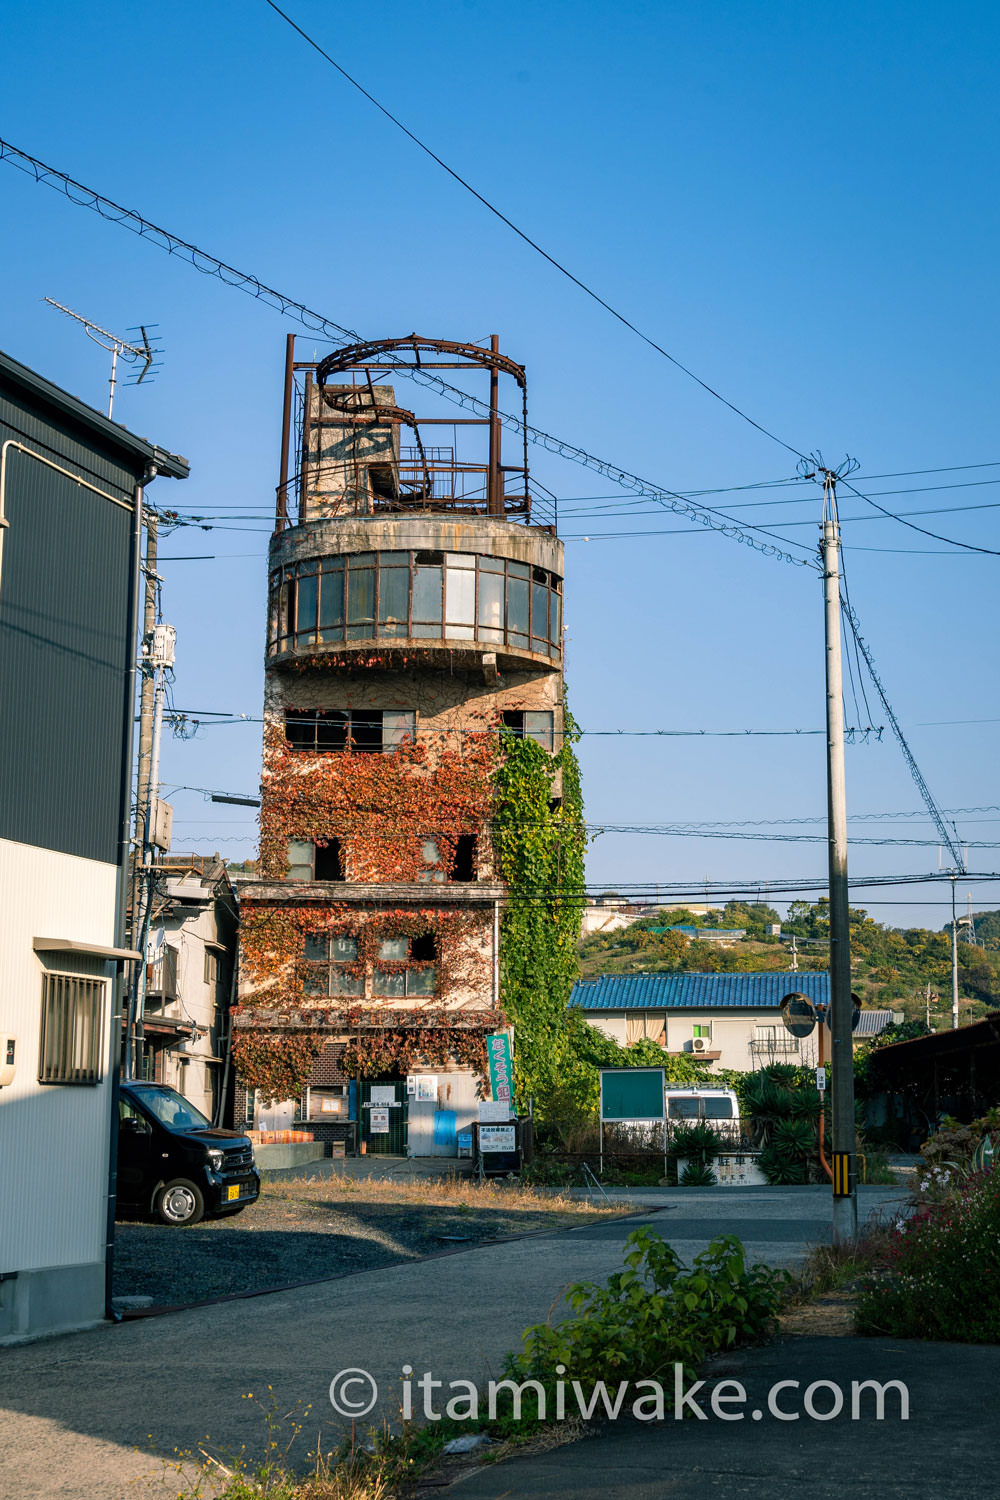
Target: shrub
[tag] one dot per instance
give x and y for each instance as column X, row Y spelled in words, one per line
column 942, row 1274
column 655, row 1314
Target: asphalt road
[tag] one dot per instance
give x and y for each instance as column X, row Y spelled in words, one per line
column 948, row 1448
column 81, row 1417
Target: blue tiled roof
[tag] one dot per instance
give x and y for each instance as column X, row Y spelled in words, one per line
column 872, row 1022
column 696, row 991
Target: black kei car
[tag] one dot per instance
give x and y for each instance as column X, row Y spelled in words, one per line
column 174, row 1163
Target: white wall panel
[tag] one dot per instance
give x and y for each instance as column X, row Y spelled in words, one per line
column 53, row 1137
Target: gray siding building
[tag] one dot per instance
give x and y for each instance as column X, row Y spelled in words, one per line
column 71, row 485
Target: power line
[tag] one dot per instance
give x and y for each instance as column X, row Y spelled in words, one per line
column 922, row 787
column 893, row 516
column 219, row 720
column 563, row 270
column 210, row 265
column 200, row 260
column 583, row 286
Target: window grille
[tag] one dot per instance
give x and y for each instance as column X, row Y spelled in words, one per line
column 72, row 1038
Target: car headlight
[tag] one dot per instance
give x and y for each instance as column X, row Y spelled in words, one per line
column 216, row 1160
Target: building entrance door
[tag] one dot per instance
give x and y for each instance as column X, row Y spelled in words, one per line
column 384, row 1116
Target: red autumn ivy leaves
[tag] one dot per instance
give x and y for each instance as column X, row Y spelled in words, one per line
column 382, row 808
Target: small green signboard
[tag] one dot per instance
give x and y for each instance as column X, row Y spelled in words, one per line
column 632, row 1094
column 501, row 1073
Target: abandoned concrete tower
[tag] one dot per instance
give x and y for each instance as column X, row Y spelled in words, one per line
column 414, row 623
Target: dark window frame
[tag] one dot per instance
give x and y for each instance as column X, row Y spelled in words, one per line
column 515, row 721
column 543, row 590
column 327, row 855
column 313, row 726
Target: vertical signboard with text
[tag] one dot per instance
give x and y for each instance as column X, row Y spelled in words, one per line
column 501, row 1073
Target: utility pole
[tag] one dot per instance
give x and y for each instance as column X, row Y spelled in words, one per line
column 142, row 809
column 845, row 1195
column 954, row 955
column 157, row 657
column 927, row 1007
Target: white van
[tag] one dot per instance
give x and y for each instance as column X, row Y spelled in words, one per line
column 718, row 1108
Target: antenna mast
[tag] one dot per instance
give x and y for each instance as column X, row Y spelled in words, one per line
column 132, row 353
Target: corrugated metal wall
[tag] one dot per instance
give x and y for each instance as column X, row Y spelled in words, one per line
column 64, row 647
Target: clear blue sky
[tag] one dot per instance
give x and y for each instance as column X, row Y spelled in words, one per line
column 799, row 201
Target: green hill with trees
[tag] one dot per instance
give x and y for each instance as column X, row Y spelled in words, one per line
column 891, row 967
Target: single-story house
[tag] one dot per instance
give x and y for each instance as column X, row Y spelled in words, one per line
column 732, row 1019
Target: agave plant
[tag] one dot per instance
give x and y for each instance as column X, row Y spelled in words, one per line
column 782, row 1170
column 697, row 1174
column 699, row 1141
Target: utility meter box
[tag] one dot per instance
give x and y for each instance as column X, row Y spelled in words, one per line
column 8, row 1060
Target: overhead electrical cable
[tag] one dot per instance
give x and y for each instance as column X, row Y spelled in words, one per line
column 557, row 264
column 947, row 837
column 936, row 535
column 210, row 265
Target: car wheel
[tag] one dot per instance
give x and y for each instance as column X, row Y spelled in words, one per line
column 180, row 1202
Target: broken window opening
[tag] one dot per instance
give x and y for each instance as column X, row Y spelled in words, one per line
column 328, row 865
column 531, row 724
column 363, row 730
column 463, row 865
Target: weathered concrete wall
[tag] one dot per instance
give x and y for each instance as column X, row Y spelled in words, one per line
column 445, row 703
column 336, row 454
column 489, row 536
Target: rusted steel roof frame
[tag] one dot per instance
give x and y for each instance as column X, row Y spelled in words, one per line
column 385, row 355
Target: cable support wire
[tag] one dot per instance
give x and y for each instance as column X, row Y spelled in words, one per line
column 947, row 838
column 856, row 735
column 534, row 245
column 759, row 891
column 317, row 323
column 582, row 285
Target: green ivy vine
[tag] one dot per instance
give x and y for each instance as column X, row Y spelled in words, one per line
column 540, row 844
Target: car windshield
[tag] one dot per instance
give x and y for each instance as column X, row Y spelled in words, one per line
column 171, row 1108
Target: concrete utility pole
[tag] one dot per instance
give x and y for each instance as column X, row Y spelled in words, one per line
column 845, row 1193
column 157, row 658
column 145, row 726
column 954, row 956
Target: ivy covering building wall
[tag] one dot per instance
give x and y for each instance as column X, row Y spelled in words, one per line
column 540, row 844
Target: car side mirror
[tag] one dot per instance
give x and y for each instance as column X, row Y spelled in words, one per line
column 131, row 1125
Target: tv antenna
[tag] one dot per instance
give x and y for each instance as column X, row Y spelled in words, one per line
column 130, row 350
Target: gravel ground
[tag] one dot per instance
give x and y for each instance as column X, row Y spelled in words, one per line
column 304, row 1230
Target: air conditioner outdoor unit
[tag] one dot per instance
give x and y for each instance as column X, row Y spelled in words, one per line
column 700, row 1044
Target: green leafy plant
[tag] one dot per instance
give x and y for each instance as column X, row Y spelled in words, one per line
column 655, row 1314
column 540, row 844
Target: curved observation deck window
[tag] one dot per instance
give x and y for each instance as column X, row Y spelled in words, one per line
column 387, row 596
